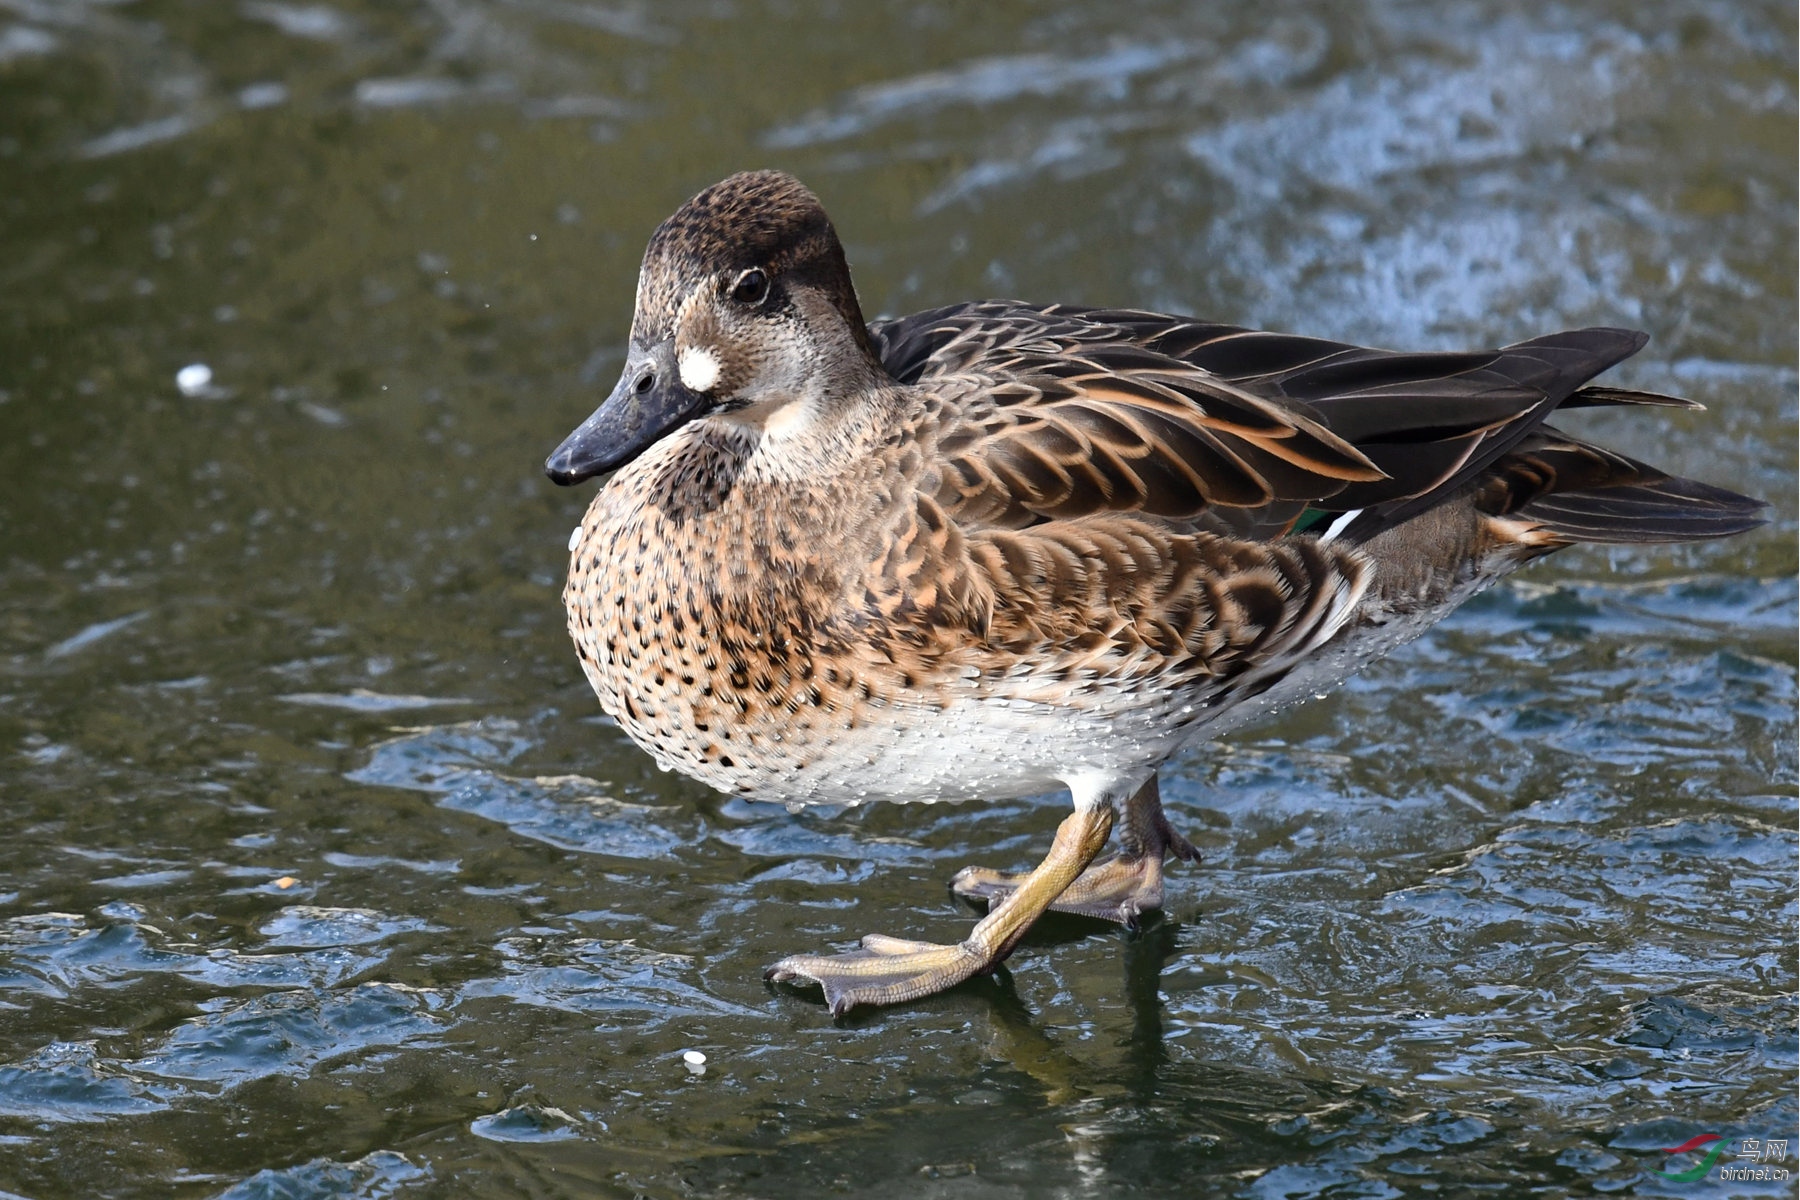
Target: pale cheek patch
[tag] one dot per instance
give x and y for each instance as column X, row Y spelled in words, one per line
column 699, row 369
column 789, row 419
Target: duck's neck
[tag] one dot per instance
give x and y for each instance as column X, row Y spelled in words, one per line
column 788, row 490
column 818, row 436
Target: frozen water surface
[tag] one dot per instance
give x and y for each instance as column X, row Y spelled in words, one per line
column 321, row 875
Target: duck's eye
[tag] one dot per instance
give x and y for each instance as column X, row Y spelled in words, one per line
column 752, row 287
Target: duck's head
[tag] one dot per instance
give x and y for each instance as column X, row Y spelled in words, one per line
column 744, row 305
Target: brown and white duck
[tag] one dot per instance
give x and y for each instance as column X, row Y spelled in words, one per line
column 998, row 548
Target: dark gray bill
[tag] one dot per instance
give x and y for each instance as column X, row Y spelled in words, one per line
column 648, row 401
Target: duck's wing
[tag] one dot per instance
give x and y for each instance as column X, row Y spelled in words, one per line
column 1054, row 412
column 1049, row 414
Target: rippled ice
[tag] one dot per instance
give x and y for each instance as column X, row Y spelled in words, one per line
column 321, row 874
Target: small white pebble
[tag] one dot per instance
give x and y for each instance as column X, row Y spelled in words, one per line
column 574, row 538
column 694, row 1058
column 193, row 379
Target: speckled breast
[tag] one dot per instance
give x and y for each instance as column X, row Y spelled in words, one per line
column 725, row 671
column 700, row 627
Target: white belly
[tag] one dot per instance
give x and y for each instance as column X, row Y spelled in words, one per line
column 996, row 748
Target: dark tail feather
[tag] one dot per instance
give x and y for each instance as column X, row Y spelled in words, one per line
column 1596, row 397
column 1573, row 491
column 1515, row 389
column 1674, row 510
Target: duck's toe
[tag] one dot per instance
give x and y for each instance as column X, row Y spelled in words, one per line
column 887, row 970
column 1120, row 889
column 1175, row 844
column 986, row 884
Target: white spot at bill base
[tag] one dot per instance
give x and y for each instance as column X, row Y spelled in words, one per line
column 699, row 369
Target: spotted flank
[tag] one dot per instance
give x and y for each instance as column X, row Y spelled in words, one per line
column 995, row 548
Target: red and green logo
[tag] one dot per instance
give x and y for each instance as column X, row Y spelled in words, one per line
column 1692, row 1144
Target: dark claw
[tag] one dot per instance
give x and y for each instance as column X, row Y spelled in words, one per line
column 1177, row 845
column 778, row 974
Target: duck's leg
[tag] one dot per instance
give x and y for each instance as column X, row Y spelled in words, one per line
column 892, row 970
column 1116, row 889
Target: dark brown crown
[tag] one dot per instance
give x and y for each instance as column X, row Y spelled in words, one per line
column 764, row 219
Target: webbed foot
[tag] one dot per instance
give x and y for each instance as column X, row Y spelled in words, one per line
column 887, row 970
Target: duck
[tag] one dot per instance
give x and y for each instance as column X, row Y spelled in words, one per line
column 998, row 549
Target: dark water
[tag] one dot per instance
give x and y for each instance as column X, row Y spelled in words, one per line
column 321, row 875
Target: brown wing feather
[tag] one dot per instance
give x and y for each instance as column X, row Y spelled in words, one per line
column 1055, row 412
column 1117, row 483
column 1044, row 416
